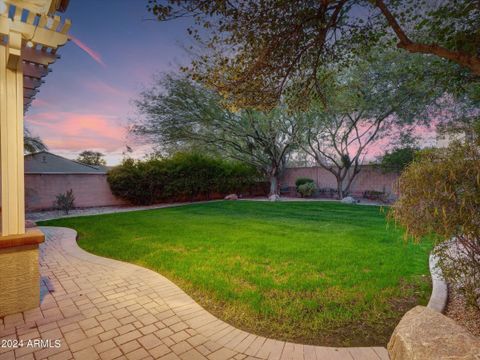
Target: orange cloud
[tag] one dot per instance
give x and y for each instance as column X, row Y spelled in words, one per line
column 93, row 54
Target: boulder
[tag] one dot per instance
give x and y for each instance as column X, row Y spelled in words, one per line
column 274, row 197
column 231, row 197
column 425, row 334
column 349, row 200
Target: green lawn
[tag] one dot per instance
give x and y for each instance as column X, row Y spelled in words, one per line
column 313, row 272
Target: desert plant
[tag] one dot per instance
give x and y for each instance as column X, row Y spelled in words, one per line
column 307, row 189
column 440, row 198
column 65, row 201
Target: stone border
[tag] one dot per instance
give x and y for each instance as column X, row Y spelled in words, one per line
column 439, row 297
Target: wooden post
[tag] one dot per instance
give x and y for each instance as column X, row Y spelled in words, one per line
column 30, row 34
column 11, row 137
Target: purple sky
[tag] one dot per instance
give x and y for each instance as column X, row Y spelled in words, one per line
column 85, row 102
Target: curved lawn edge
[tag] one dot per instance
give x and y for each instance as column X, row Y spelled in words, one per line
column 208, row 325
column 318, row 336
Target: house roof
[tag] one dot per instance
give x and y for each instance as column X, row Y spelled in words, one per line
column 44, row 162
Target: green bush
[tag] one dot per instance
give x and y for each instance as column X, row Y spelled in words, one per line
column 303, row 180
column 183, row 177
column 398, row 159
column 307, row 189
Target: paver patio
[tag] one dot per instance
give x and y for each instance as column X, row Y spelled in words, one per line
column 106, row 309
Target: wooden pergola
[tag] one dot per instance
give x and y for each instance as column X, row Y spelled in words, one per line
column 30, row 34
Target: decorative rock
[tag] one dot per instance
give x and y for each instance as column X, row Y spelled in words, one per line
column 231, row 197
column 274, row 197
column 349, row 200
column 425, row 334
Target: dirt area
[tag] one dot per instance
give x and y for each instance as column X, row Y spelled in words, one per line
column 469, row 317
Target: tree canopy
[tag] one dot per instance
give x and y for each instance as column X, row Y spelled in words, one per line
column 90, row 157
column 180, row 114
column 260, row 51
column 369, row 100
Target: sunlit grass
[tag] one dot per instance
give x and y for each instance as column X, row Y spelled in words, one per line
column 313, row 272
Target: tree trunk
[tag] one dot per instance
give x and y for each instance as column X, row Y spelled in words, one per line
column 273, row 185
column 339, row 188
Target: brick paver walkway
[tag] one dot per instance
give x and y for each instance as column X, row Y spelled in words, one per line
column 104, row 309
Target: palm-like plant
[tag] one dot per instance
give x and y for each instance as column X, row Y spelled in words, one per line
column 32, row 144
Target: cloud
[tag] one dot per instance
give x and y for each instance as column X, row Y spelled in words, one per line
column 77, row 131
column 103, row 88
column 93, row 54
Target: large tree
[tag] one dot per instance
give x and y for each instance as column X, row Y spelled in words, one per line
column 90, row 157
column 368, row 101
column 258, row 51
column 176, row 113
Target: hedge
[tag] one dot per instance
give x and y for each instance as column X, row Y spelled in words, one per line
column 183, row 177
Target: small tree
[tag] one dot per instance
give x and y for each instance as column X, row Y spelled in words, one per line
column 65, row 201
column 440, row 197
column 89, row 157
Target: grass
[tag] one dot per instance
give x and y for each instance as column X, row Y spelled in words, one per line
column 312, row 272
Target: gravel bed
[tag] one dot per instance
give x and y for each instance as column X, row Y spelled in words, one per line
column 56, row 214
column 468, row 317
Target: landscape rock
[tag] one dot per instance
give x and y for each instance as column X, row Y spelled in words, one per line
column 425, row 334
column 231, row 197
column 274, row 197
column 349, row 200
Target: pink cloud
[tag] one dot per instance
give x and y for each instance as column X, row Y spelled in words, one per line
column 75, row 131
column 103, row 88
column 92, row 53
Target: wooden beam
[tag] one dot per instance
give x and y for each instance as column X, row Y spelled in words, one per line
column 35, row 71
column 31, row 83
column 35, row 6
column 30, row 93
column 37, row 34
column 40, row 57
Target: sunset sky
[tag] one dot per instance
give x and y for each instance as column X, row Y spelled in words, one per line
column 85, row 102
column 116, row 47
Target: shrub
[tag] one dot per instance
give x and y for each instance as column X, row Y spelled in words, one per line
column 65, row 201
column 307, row 189
column 303, row 180
column 182, row 177
column 398, row 159
column 440, row 197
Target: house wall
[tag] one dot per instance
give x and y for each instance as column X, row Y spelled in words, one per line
column 90, row 190
column 369, row 178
